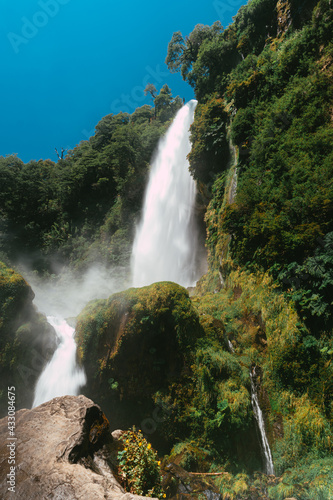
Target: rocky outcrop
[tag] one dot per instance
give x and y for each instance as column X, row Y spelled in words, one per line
column 27, row 341
column 284, row 19
column 136, row 343
column 62, row 449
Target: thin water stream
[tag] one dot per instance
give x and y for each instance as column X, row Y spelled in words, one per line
column 267, row 455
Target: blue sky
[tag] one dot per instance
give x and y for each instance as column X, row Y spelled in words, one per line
column 67, row 63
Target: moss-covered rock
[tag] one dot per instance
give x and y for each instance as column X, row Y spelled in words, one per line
column 137, row 342
column 26, row 339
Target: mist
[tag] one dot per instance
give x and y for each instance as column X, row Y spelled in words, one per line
column 66, row 295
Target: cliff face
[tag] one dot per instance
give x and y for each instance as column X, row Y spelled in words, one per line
column 63, row 449
column 269, row 213
column 27, row 341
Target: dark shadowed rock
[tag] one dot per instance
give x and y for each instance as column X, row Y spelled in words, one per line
column 63, row 450
column 27, row 341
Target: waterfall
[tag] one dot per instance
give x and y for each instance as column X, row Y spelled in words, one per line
column 63, row 298
column 164, row 249
column 260, row 420
column 233, row 187
column 231, row 347
column 164, row 244
column 61, row 376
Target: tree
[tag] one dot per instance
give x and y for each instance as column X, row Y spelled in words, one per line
column 182, row 53
column 142, row 115
column 150, row 89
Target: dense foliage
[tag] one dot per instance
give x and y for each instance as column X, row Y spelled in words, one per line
column 276, row 102
column 267, row 86
column 262, row 154
column 83, row 208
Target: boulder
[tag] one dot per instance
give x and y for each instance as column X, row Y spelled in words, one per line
column 62, row 449
column 135, row 343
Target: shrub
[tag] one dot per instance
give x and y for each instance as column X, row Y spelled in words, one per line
column 139, row 467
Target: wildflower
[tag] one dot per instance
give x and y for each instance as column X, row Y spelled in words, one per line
column 158, row 463
column 149, row 446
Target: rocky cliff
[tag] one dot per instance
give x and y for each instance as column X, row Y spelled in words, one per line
column 27, row 341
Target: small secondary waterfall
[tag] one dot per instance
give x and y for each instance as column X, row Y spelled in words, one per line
column 260, row 420
column 61, row 376
column 231, row 347
column 164, row 245
column 233, row 187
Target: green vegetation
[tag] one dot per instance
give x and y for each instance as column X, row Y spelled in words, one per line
column 262, row 158
column 135, row 343
column 263, row 123
column 83, row 208
column 138, row 466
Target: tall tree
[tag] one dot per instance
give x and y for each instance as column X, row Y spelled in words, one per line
column 183, row 52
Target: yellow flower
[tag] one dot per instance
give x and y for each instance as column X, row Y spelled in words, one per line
column 149, row 446
column 140, row 444
column 158, row 463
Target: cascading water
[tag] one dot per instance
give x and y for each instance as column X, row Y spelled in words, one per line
column 65, row 298
column 61, row 376
column 231, row 347
column 164, row 245
column 233, row 187
column 164, row 249
column 260, row 420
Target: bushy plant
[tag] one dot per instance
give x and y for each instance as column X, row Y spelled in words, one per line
column 138, row 465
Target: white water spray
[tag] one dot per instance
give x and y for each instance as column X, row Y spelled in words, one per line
column 63, row 299
column 61, row 376
column 260, row 420
column 164, row 245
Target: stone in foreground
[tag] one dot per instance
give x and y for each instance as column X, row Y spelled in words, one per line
column 63, row 450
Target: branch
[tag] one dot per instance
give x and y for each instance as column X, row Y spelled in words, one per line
column 63, row 151
column 208, row 473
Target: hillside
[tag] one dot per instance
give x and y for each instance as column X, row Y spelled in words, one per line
column 259, row 323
